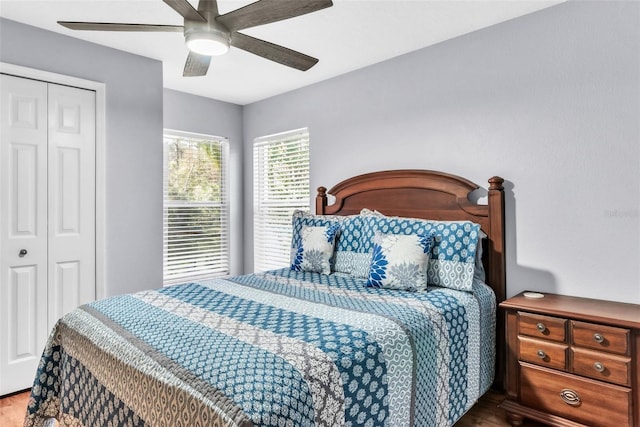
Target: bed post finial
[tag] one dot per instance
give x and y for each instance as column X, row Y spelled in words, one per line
column 321, row 200
column 495, row 183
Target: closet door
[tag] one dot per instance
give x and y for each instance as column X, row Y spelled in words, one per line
column 47, row 217
column 72, row 199
column 23, row 230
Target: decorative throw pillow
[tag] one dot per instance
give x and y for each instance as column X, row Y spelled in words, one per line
column 400, row 261
column 316, row 248
column 301, row 219
column 453, row 254
column 349, row 255
column 453, row 257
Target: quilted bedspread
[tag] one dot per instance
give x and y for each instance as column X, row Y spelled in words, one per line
column 280, row 348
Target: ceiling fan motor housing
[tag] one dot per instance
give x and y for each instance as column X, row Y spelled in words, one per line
column 207, row 38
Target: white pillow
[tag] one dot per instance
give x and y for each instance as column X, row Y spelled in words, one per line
column 399, row 261
column 316, row 249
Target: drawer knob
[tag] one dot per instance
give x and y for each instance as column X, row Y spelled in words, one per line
column 598, row 338
column 541, row 354
column 598, row 367
column 570, row 397
column 541, row 327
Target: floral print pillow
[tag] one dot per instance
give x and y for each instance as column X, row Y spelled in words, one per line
column 316, row 248
column 349, row 255
column 400, row 261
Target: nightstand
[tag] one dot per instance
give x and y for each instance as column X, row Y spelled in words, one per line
column 572, row 361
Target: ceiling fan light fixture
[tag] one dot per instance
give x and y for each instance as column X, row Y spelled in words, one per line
column 208, row 43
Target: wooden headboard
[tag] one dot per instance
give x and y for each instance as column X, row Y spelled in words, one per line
column 432, row 195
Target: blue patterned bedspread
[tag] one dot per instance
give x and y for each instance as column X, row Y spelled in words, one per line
column 281, row 348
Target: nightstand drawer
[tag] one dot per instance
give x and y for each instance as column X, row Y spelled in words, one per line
column 590, row 402
column 544, row 353
column 599, row 337
column 546, row 327
column 602, row 366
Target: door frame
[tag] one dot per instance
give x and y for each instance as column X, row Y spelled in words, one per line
column 100, row 90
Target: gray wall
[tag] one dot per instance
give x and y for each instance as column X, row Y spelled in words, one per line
column 549, row 101
column 133, row 143
column 191, row 113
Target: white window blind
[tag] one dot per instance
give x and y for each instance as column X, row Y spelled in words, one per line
column 280, row 185
column 196, row 211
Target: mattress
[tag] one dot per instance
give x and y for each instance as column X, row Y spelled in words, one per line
column 279, row 348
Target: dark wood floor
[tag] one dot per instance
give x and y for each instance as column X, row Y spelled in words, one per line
column 485, row 413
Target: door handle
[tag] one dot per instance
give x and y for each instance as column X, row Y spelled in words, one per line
column 22, row 253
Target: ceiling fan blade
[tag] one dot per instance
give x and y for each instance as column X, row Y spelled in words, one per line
column 210, row 6
column 273, row 52
column 110, row 26
column 267, row 11
column 196, row 65
column 184, row 8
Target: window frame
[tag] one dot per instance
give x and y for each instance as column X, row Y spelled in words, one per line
column 223, row 204
column 271, row 254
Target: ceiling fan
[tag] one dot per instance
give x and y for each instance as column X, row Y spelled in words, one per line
column 207, row 33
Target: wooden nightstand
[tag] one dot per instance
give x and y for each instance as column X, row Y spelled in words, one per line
column 572, row 361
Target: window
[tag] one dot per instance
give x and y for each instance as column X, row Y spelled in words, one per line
column 280, row 185
column 196, row 210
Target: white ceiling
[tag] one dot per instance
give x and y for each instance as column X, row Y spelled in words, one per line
column 350, row 35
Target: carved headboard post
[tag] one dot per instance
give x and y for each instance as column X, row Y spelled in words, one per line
column 321, row 199
column 496, row 221
column 497, row 270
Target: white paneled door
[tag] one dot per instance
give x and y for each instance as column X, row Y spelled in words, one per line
column 72, row 201
column 23, row 228
column 47, row 217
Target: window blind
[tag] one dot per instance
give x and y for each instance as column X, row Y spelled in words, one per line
column 196, row 210
column 280, row 186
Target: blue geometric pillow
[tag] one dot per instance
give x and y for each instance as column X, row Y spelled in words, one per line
column 453, row 253
column 400, row 261
column 351, row 256
column 316, row 249
column 453, row 257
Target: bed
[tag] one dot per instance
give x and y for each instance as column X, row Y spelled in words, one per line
column 298, row 347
